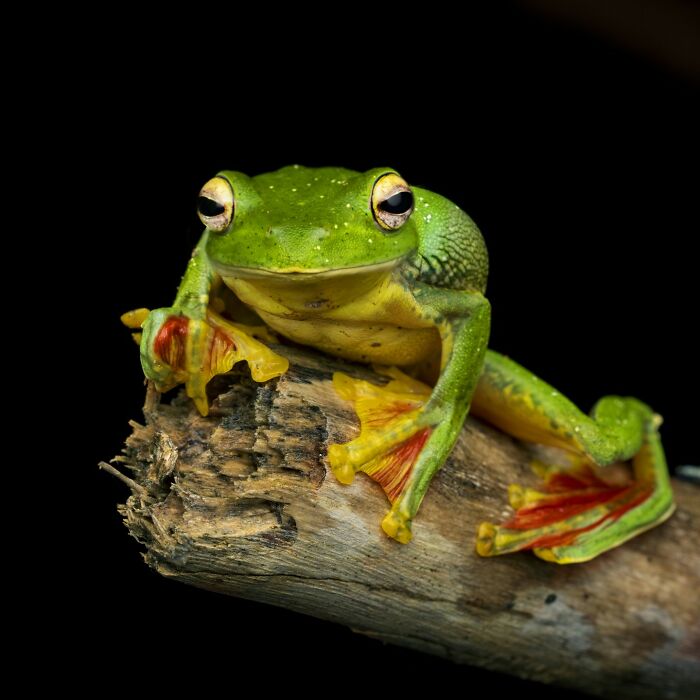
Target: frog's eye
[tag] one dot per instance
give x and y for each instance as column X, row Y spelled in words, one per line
column 215, row 204
column 392, row 201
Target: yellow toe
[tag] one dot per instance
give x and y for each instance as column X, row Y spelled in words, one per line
column 134, row 318
column 485, row 539
column 397, row 527
column 339, row 464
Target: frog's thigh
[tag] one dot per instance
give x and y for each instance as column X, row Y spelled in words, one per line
column 524, row 406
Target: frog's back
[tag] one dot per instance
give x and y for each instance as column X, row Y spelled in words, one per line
column 292, row 173
column 296, row 185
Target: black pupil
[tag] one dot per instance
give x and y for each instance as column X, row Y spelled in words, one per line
column 398, row 203
column 208, row 207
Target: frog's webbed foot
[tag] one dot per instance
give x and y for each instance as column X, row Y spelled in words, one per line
column 393, row 432
column 578, row 515
column 581, row 511
column 177, row 349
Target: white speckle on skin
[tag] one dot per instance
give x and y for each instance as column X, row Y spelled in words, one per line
column 369, row 240
column 345, row 223
column 308, row 184
column 272, row 187
column 318, row 247
column 427, row 217
column 347, row 206
column 315, row 179
column 294, row 189
column 295, row 166
column 426, row 204
column 323, row 196
column 335, row 225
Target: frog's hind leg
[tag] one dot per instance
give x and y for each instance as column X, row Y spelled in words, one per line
column 579, row 514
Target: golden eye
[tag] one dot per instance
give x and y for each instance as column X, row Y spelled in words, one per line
column 215, row 204
column 392, row 201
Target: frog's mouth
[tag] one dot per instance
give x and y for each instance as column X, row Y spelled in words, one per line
column 297, row 273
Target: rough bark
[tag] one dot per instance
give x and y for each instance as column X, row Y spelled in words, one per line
column 241, row 502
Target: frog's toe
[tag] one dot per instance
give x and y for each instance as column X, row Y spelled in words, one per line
column 135, row 319
column 397, row 525
column 391, row 438
column 578, row 516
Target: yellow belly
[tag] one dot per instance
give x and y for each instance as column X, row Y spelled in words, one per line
column 365, row 317
column 385, row 344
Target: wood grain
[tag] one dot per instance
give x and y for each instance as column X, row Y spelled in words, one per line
column 241, row 502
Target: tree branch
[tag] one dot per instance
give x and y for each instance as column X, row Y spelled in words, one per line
column 240, row 502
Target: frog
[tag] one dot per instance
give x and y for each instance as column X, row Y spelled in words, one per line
column 364, row 267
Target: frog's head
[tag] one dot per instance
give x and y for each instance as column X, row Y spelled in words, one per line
column 299, row 221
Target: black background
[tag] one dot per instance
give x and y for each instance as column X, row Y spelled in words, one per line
column 576, row 157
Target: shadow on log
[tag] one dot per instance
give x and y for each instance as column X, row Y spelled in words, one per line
column 241, row 503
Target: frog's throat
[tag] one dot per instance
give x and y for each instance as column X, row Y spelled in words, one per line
column 301, row 273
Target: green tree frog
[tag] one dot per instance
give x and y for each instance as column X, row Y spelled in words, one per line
column 367, row 268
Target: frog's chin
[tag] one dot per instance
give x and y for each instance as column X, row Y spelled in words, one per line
column 237, row 272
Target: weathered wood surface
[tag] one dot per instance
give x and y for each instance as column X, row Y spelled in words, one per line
column 241, row 503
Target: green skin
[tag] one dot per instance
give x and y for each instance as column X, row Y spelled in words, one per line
column 305, row 221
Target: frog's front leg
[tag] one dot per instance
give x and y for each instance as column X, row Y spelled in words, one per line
column 407, row 430
column 190, row 341
column 581, row 512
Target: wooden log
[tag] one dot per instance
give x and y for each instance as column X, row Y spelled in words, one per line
column 241, row 502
